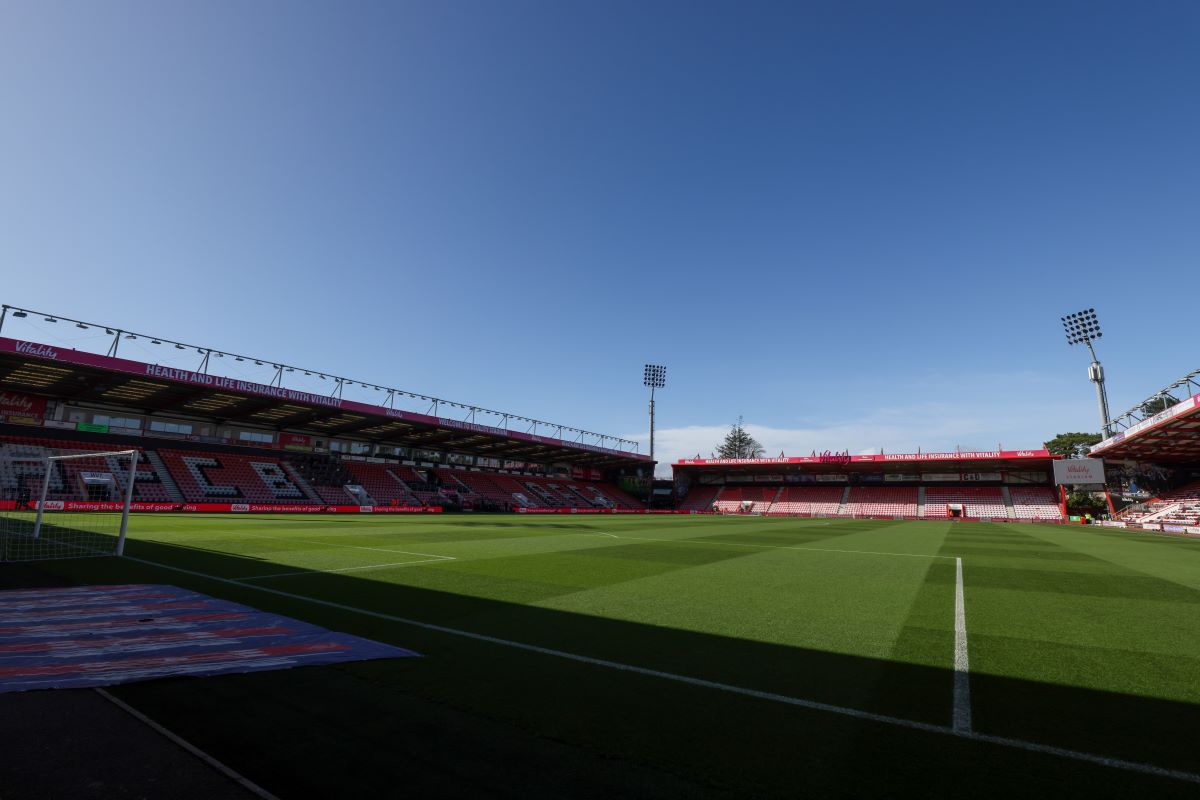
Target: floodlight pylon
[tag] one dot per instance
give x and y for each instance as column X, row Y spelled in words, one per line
column 1083, row 327
column 654, row 377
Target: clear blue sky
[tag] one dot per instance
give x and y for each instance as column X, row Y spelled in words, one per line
column 856, row 224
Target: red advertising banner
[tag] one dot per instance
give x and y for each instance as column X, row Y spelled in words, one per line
column 604, row 511
column 22, row 409
column 223, row 508
column 47, row 352
column 255, row 508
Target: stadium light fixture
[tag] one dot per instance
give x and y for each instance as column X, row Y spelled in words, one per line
column 1083, row 327
column 655, row 377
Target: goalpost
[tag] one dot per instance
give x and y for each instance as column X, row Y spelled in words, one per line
column 72, row 505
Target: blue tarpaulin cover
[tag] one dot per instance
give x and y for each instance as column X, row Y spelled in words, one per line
column 83, row 636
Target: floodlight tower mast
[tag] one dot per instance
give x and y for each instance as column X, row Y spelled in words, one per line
column 655, row 377
column 1083, row 327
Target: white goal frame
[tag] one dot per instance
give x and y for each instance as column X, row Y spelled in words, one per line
column 127, row 500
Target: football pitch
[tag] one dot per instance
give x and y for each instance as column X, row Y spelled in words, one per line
column 685, row 656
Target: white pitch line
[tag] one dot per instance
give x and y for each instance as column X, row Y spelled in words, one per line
column 238, row 778
column 854, row 713
column 348, row 569
column 962, row 679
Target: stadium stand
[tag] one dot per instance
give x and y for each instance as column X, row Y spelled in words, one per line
column 979, row 501
column 879, row 501
column 175, row 475
column 209, row 477
column 1178, row 507
column 808, row 500
column 1035, row 503
column 327, row 477
column 700, row 498
column 615, row 495
column 749, row 499
column 15, row 474
column 381, row 483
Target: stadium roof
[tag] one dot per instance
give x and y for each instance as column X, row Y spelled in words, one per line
column 1171, row 436
column 83, row 376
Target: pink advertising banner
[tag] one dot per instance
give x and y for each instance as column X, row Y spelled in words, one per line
column 874, row 458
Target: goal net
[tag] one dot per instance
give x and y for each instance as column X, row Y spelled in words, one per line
column 65, row 505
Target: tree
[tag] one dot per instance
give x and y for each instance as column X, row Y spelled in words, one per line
column 1158, row 404
column 1073, row 445
column 1086, row 501
column 739, row 444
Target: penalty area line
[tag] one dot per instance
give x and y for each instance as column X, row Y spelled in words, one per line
column 813, row 705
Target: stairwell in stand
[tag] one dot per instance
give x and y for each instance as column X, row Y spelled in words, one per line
column 920, row 501
column 164, row 477
column 845, row 501
column 774, row 500
column 304, row 486
column 360, row 494
column 407, row 489
column 1009, row 510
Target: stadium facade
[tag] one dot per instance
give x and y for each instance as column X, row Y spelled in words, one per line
column 1153, row 464
column 998, row 485
column 216, row 443
column 211, row 442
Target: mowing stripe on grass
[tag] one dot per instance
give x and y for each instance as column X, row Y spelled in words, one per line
column 343, row 546
column 705, row 543
column 962, row 680
column 347, row 569
column 813, row 705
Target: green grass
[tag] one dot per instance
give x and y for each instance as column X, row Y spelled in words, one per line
column 1079, row 638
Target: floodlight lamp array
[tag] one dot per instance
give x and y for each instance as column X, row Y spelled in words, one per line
column 1082, row 326
column 655, row 376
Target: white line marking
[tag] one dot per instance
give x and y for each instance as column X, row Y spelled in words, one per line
column 246, row 783
column 348, row 569
column 926, row 727
column 962, row 679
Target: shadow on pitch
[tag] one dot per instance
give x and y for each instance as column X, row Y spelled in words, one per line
column 475, row 717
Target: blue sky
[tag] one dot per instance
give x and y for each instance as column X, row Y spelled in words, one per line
column 855, row 224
